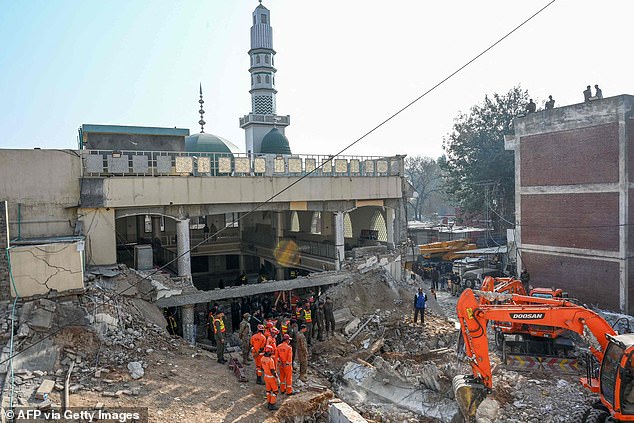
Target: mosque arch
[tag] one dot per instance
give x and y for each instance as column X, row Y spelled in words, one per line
column 294, row 222
column 378, row 224
column 347, row 226
column 315, row 224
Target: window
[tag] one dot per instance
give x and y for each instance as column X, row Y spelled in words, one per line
column 263, row 18
column 378, row 224
column 268, row 79
column 259, row 78
column 266, row 59
column 257, row 59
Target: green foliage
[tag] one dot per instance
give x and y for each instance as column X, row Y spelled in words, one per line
column 425, row 176
column 477, row 165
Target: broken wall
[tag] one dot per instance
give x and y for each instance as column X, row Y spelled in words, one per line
column 40, row 269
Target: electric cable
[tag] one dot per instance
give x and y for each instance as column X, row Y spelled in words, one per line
column 272, row 197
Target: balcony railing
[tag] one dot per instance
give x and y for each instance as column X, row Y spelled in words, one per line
column 98, row 163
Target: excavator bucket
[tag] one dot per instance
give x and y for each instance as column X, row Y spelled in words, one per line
column 469, row 393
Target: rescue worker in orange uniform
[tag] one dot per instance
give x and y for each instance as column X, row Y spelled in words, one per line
column 270, row 377
column 258, row 342
column 272, row 341
column 285, row 360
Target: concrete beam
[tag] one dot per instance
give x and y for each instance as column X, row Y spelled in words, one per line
column 319, row 279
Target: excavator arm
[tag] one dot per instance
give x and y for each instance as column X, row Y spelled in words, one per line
column 474, row 316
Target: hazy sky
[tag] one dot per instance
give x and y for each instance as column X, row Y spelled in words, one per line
column 343, row 65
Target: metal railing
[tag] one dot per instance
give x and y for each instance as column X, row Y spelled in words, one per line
column 97, row 163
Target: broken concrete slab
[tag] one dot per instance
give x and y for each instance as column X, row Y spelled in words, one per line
column 366, row 380
column 40, row 319
column 341, row 412
column 151, row 312
column 351, row 326
column 42, row 356
column 342, row 316
column 46, row 387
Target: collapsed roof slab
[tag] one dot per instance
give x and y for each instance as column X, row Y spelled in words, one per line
column 313, row 280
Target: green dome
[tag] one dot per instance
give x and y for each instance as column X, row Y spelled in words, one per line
column 208, row 143
column 275, row 143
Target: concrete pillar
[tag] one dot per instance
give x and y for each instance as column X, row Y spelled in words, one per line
column 187, row 322
column 389, row 225
column 182, row 248
column 279, row 273
column 279, row 225
column 326, row 224
column 242, row 264
column 339, row 240
column 156, row 227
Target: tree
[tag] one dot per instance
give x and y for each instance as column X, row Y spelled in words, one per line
column 424, row 175
column 479, row 173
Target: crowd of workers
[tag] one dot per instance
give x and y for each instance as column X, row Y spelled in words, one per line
column 274, row 338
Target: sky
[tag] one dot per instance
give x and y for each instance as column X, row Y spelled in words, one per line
column 342, row 66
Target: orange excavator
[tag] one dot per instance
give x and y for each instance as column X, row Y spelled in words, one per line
column 613, row 381
column 518, row 338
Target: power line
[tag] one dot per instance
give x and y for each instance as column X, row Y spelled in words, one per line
column 271, row 198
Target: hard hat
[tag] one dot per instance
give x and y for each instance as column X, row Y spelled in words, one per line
column 275, row 331
column 268, row 348
column 260, row 327
column 286, row 337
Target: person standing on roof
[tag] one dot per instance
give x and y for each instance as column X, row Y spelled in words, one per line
column 258, row 342
column 420, row 301
column 270, row 377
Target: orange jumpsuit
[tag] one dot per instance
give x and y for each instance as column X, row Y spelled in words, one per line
column 270, row 340
column 268, row 365
column 285, row 359
column 258, row 341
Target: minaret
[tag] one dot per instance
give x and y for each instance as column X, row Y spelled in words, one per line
column 263, row 116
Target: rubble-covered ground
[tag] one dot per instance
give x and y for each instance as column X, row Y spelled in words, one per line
column 379, row 361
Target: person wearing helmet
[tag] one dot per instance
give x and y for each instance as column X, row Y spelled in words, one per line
column 272, row 341
column 285, row 359
column 258, row 342
column 270, row 377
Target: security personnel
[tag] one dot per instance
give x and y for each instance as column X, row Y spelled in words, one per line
column 286, row 323
column 285, row 360
column 270, row 377
column 245, row 337
column 302, row 353
column 307, row 318
column 258, row 342
column 219, row 335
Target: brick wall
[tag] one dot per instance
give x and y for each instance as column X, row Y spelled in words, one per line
column 589, row 220
column 4, row 243
column 591, row 281
column 578, row 156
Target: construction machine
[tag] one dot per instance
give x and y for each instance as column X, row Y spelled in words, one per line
column 534, row 340
column 613, row 380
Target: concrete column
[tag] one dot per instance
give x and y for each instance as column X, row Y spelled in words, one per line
column 156, row 227
column 187, row 322
column 242, row 264
column 279, row 225
column 339, row 240
column 389, row 225
column 279, row 273
column 182, row 248
column 326, row 224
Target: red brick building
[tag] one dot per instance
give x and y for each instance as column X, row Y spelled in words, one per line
column 574, row 199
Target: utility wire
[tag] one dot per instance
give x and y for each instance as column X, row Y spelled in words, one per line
column 263, row 203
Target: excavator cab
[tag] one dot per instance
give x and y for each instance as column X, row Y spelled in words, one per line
column 617, row 377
